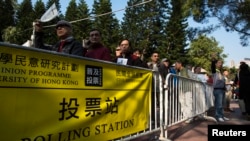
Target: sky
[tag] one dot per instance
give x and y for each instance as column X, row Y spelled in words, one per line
column 229, row 40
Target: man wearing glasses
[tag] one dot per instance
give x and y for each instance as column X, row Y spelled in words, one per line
column 126, row 56
column 67, row 43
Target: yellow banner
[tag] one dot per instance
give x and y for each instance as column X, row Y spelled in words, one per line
column 53, row 97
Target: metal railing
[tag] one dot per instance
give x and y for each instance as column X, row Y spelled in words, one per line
column 185, row 99
column 177, row 100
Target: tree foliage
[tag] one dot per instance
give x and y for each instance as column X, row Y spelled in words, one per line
column 201, row 49
column 70, row 14
column 233, row 15
column 39, row 9
column 7, row 12
column 25, row 18
column 144, row 25
column 10, row 34
column 107, row 24
column 159, row 25
column 84, row 25
column 176, row 31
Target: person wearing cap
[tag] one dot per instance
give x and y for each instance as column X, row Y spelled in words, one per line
column 164, row 68
column 67, row 43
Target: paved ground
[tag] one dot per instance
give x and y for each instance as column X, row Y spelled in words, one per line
column 198, row 130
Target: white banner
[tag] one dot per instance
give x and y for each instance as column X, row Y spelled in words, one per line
column 50, row 14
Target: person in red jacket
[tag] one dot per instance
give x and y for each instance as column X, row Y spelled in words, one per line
column 96, row 49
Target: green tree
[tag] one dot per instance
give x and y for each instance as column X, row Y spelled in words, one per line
column 201, row 49
column 107, row 24
column 144, row 25
column 7, row 12
column 233, row 15
column 25, row 18
column 176, row 31
column 131, row 25
column 10, row 34
column 153, row 23
column 84, row 25
column 39, row 9
column 71, row 12
column 78, row 16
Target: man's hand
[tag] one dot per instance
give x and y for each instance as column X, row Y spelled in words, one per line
column 214, row 56
column 38, row 26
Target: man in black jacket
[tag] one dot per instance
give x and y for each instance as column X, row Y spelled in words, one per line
column 67, row 43
column 126, row 57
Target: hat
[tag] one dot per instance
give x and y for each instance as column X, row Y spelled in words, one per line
column 164, row 60
column 63, row 23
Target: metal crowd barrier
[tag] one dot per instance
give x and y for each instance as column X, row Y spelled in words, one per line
column 179, row 99
column 184, row 100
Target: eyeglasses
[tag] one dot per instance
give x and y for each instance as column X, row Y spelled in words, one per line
column 118, row 49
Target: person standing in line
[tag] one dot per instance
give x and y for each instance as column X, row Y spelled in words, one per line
column 209, row 79
column 244, row 87
column 228, row 96
column 126, row 57
column 139, row 54
column 199, row 75
column 181, row 70
column 67, row 43
column 164, row 68
column 154, row 65
column 96, row 50
column 190, row 70
column 236, row 84
column 184, row 93
column 219, row 88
